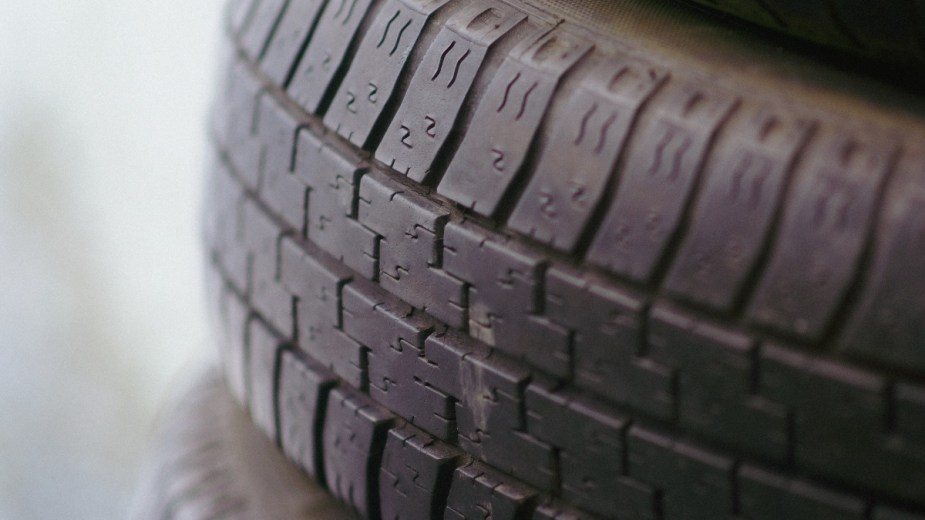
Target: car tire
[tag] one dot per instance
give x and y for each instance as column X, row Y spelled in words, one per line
column 546, row 258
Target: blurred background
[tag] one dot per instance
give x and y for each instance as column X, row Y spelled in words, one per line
column 102, row 128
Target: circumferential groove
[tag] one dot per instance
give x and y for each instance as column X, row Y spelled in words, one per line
column 505, row 247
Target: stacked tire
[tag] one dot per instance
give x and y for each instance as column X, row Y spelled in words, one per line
column 555, row 259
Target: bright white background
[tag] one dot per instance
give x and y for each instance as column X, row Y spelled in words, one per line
column 102, row 132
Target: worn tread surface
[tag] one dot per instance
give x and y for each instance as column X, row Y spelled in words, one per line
column 475, row 258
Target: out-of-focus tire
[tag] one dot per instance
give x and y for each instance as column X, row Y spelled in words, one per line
column 891, row 31
column 209, row 462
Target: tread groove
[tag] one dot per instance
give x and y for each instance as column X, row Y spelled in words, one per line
column 475, row 389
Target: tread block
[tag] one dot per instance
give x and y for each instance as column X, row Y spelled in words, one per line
column 223, row 231
column 440, row 86
column 261, row 238
column 741, row 193
column 354, row 438
column 516, row 453
column 318, row 289
column 820, row 385
column 260, row 28
column 909, row 410
column 716, row 374
column 268, row 297
column 478, row 492
column 840, row 423
column 586, row 143
column 504, row 297
column 553, row 511
column 410, row 249
column 837, row 408
column 370, row 84
column 221, row 200
column 292, row 33
column 694, row 484
column 415, row 476
column 647, row 386
column 301, row 402
column 660, row 174
column 589, row 441
column 283, row 191
column 636, row 500
column 343, row 356
column 317, row 286
column 894, row 467
column 489, row 419
column 631, row 500
column 262, row 358
column 233, row 346
column 394, row 338
column 374, row 319
column 888, row 513
column 334, row 181
column 606, row 330
column 488, row 394
column 445, row 352
column 236, row 123
column 822, row 236
column 766, row 496
column 507, row 118
column 326, row 52
column 752, row 424
column 887, row 326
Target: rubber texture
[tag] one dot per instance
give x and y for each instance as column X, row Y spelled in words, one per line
column 887, row 30
column 559, row 260
column 208, row 461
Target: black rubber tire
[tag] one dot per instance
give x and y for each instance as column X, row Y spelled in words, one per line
column 550, row 258
column 208, row 461
column 884, row 30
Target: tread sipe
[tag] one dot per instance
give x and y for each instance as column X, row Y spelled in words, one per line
column 546, row 259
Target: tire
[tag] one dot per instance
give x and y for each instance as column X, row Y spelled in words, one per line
column 209, row 462
column 888, row 31
column 719, row 314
